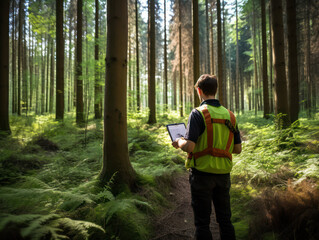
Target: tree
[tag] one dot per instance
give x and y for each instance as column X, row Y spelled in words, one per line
column 151, row 62
column 165, row 59
column 4, row 66
column 180, row 59
column 97, row 87
column 207, row 37
column 281, row 103
column 196, row 49
column 138, row 98
column 219, row 53
column 79, row 77
column 60, row 61
column 292, row 61
column 264, row 53
column 115, row 148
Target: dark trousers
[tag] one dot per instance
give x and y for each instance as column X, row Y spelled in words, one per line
column 206, row 188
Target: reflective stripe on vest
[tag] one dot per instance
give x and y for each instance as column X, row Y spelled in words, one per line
column 216, row 152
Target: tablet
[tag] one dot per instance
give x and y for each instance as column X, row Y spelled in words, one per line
column 176, row 130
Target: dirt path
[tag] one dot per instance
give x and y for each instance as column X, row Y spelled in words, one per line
column 177, row 222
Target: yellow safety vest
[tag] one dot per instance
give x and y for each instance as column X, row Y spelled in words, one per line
column 213, row 150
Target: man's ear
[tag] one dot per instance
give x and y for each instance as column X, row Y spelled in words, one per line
column 199, row 91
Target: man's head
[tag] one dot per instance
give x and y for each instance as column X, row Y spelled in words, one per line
column 207, row 84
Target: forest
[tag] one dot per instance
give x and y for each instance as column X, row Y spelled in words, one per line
column 87, row 88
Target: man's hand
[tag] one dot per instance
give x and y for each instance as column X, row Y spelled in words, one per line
column 185, row 145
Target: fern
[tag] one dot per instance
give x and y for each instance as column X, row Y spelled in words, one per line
column 36, row 226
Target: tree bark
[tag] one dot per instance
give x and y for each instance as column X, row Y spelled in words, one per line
column 220, row 56
column 165, row 61
column 19, row 56
column 4, row 66
column 255, row 60
column 264, row 53
column 207, row 38
column 52, row 77
column 237, row 64
column 281, row 102
column 115, row 149
column 224, row 80
column 180, row 59
column 14, row 110
column 97, row 93
column 60, row 61
column 292, row 61
column 196, row 49
column 151, row 62
column 79, row 75
column 212, row 41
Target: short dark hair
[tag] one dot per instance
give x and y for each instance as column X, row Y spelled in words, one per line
column 208, row 84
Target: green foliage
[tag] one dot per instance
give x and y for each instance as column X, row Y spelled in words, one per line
column 50, row 226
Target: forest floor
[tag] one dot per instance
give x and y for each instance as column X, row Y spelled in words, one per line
column 49, row 185
column 177, row 221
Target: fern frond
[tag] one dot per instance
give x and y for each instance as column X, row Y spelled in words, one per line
column 37, row 225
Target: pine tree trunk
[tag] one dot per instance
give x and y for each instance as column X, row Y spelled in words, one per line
column 271, row 63
column 174, row 91
column 42, row 74
column 97, row 93
column 196, row 49
column 115, row 148
column 24, row 67
column 79, row 75
column 13, row 59
column 212, row 41
column 207, row 38
column 31, row 66
column 52, row 77
column 224, row 80
column 165, row 61
column 264, row 53
column 60, row 61
column 4, row 66
column 255, row 60
column 47, row 77
column 292, row 61
column 281, row 100
column 151, row 62
column 237, row 63
column 138, row 96
column 180, row 60
column 307, row 55
column 19, row 56
column 220, row 56
column 70, row 98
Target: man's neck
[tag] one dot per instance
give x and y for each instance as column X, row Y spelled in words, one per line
column 204, row 98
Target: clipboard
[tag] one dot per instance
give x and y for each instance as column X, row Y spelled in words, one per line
column 176, row 130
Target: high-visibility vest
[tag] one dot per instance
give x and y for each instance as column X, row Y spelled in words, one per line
column 213, row 149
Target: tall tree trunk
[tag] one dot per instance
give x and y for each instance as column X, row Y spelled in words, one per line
column 207, row 38
column 196, row 49
column 264, row 53
column 174, row 90
column 31, row 66
column 24, row 67
column 151, row 62
column 52, row 77
column 4, row 66
column 180, row 59
column 271, row 63
column 292, row 61
column 220, row 56
column 255, row 60
column 115, row 149
column 224, row 80
column 97, row 93
column 307, row 55
column 237, row 64
column 20, row 55
column 70, row 99
column 14, row 110
column 165, row 60
column 212, row 41
column 60, row 61
column 42, row 74
column 129, row 70
column 138, row 96
column 281, row 99
column 79, row 76
column 47, row 77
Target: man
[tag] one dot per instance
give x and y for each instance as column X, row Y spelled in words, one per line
column 212, row 136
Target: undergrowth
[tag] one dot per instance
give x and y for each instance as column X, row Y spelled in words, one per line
column 49, row 187
column 270, row 162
